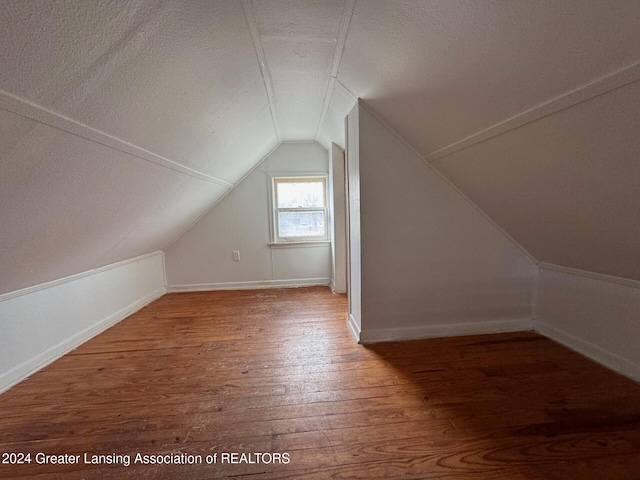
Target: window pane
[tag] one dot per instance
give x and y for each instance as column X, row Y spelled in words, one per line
column 301, row 224
column 300, row 194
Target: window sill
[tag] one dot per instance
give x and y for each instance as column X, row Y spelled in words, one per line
column 315, row 243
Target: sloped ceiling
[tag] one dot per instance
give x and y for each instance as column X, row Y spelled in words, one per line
column 121, row 122
column 530, row 107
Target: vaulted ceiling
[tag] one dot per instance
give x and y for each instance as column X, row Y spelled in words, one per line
column 121, row 122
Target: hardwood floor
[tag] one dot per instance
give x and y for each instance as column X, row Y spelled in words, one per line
column 276, row 371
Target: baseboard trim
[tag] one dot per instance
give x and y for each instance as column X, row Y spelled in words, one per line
column 590, row 350
column 21, row 372
column 354, row 328
column 334, row 289
column 259, row 284
column 445, row 330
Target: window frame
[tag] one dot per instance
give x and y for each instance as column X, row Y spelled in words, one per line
column 285, row 177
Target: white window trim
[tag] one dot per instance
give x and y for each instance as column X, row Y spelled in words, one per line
column 276, row 242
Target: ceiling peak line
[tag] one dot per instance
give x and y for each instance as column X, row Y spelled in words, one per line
column 341, row 40
column 583, row 93
column 44, row 116
column 252, row 24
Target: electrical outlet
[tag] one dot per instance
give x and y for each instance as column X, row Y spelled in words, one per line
column 236, row 255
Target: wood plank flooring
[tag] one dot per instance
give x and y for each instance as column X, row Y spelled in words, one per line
column 276, row 372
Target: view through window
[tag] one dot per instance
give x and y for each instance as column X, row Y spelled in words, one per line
column 300, row 208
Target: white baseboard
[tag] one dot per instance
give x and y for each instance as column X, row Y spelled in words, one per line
column 445, row 330
column 353, row 327
column 590, row 350
column 292, row 283
column 20, row 372
column 338, row 290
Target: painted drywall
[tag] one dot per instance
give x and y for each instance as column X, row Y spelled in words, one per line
column 596, row 315
column 431, row 263
column 524, row 108
column 40, row 324
column 70, row 204
column 354, row 239
column 341, row 102
column 129, row 69
column 202, row 257
column 108, row 145
column 299, row 41
column 338, row 209
column 566, row 186
column 118, row 130
column 439, row 72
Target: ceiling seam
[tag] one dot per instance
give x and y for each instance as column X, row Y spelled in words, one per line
column 325, row 106
column 449, row 182
column 341, row 40
column 218, row 200
column 583, row 93
column 353, row 97
column 252, row 24
column 144, row 23
column 73, row 277
column 141, row 223
column 603, row 277
column 44, row 116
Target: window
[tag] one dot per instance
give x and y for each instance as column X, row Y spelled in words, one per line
column 299, row 206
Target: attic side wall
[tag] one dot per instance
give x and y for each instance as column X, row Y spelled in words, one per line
column 432, row 264
column 594, row 314
column 42, row 323
column 201, row 259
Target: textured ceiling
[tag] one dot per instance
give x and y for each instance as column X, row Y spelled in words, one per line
column 440, row 71
column 121, row 122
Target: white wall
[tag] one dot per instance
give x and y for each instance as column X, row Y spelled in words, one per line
column 432, row 263
column 40, row 324
column 354, row 273
column 566, row 186
column 201, row 259
column 597, row 315
column 338, row 212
